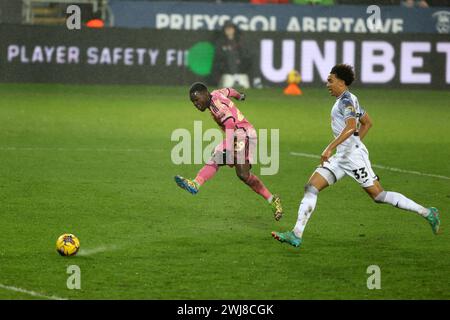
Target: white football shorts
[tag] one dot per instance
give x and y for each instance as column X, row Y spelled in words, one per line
column 354, row 163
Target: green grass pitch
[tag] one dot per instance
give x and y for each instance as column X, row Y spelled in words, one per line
column 95, row 161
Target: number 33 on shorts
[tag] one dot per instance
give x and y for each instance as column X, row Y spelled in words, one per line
column 360, row 173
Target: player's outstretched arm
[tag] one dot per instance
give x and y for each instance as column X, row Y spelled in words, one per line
column 366, row 124
column 236, row 94
column 350, row 127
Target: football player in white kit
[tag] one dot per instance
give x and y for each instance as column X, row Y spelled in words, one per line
column 350, row 124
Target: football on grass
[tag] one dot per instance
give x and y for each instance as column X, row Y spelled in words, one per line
column 67, row 244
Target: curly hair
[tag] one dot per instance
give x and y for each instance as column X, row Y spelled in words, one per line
column 344, row 72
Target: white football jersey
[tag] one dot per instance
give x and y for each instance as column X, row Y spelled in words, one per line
column 345, row 107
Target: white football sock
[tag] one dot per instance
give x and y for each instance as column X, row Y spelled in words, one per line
column 305, row 210
column 400, row 201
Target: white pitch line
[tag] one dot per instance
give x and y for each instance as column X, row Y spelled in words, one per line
column 307, row 155
column 89, row 252
column 31, row 293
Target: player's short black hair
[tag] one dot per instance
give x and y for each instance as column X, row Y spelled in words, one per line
column 197, row 87
column 344, row 72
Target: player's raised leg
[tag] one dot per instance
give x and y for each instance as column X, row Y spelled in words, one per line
column 207, row 172
column 398, row 200
column 243, row 172
column 316, row 183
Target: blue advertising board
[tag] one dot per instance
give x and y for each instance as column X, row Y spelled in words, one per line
column 289, row 17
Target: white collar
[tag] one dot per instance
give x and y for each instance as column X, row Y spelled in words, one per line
column 342, row 94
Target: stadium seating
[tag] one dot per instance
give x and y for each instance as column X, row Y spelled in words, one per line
column 52, row 12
